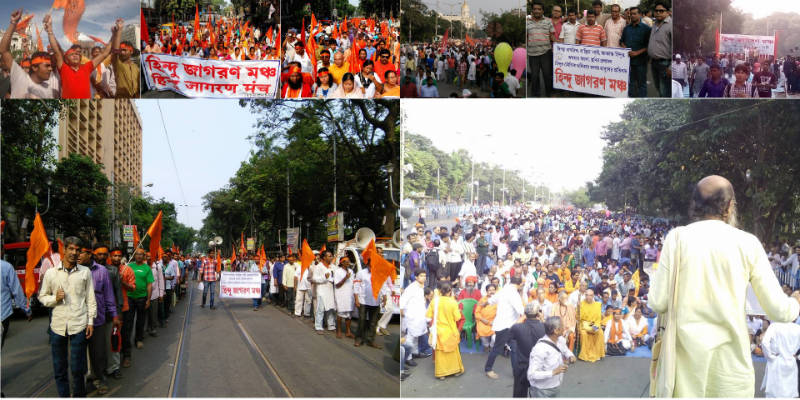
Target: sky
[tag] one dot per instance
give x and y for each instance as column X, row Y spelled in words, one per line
column 763, row 8
column 209, row 140
column 449, row 7
column 97, row 19
column 554, row 141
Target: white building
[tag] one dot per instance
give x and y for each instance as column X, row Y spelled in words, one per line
column 465, row 18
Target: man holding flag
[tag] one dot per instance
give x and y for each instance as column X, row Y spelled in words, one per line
column 371, row 283
column 321, row 276
column 11, row 291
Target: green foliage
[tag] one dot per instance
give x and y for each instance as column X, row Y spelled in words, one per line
column 144, row 211
column 29, row 149
column 420, row 24
column 579, row 198
column 571, row 4
column 513, row 27
column 455, row 173
column 80, row 198
column 383, row 9
column 659, row 150
column 293, row 12
column 366, row 135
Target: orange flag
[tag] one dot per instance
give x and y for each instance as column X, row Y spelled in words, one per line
column 313, row 22
column 59, row 4
column 135, row 238
column 73, row 10
column 380, row 269
column 154, row 231
column 23, row 23
column 39, row 45
column 306, row 257
column 344, row 26
column 262, row 257
column 39, row 247
column 233, row 255
column 219, row 262
column 97, row 39
column 242, row 248
column 322, row 250
column 269, row 34
column 61, row 248
column 196, row 22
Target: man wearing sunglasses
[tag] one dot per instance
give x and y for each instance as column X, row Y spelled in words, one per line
column 659, row 48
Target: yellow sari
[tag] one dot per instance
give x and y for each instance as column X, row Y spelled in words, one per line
column 593, row 346
column 446, row 357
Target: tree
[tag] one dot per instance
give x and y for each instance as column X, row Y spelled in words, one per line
column 513, row 27
column 28, row 147
column 80, row 204
column 696, row 18
column 420, row 24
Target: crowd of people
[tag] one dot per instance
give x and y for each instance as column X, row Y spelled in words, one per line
column 505, row 275
column 102, row 304
column 647, row 32
column 226, row 38
column 734, row 75
column 468, row 67
column 106, row 70
column 498, row 264
column 348, row 59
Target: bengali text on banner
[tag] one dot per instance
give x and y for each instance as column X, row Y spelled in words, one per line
column 595, row 70
column 243, row 285
column 197, row 77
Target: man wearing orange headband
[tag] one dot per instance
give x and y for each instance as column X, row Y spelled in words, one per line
column 104, row 85
column 122, row 280
column 76, row 77
column 302, row 58
column 39, row 82
column 99, row 343
column 126, row 71
column 298, row 84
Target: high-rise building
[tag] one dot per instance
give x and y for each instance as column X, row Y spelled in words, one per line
column 107, row 131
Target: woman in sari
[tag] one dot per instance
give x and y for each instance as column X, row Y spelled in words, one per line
column 484, row 317
column 444, row 334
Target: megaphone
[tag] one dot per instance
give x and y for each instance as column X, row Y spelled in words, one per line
column 364, row 236
column 397, row 239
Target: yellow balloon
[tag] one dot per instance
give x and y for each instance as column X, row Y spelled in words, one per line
column 502, row 56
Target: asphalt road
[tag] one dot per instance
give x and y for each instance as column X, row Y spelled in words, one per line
column 231, row 351
column 611, row 377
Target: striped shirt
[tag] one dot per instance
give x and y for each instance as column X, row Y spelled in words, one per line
column 539, row 36
column 209, row 271
column 591, row 35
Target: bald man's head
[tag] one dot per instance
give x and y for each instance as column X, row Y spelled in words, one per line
column 713, row 198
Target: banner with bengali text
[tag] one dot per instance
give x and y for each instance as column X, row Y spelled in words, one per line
column 595, row 70
column 198, row 77
column 241, row 285
column 740, row 44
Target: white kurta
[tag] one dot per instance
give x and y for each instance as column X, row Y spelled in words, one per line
column 467, row 270
column 322, row 278
column 717, row 261
column 344, row 294
column 412, row 303
column 780, row 343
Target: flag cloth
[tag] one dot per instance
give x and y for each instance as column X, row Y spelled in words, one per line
column 444, row 39
column 322, row 250
column 219, row 262
column 242, row 248
column 303, row 31
column 39, row 247
column 380, row 269
column 145, row 36
column 39, row 44
column 23, row 23
column 60, row 248
column 155, row 238
column 233, row 254
column 59, row 3
column 196, row 22
column 72, row 17
column 269, row 34
column 306, row 257
column 97, row 39
column 635, row 279
column 135, row 237
column 262, row 257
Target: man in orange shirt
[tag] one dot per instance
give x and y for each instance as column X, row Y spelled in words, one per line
column 591, row 34
column 76, row 77
column 384, row 63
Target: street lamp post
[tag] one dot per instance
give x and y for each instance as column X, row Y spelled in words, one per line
column 293, row 212
column 300, row 235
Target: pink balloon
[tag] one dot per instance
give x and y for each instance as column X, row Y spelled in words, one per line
column 518, row 59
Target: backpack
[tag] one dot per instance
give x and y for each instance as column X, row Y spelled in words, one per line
column 432, row 259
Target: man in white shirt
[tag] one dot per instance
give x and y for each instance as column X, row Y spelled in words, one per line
column 301, row 56
column 321, row 277
column 780, row 344
column 509, row 310
column 412, row 312
column 343, row 294
column 302, row 300
column 546, row 367
column 614, row 27
column 569, row 29
column 41, row 83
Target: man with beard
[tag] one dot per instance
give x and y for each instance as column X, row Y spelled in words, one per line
column 42, row 83
column 296, row 86
column 470, row 292
column 716, row 263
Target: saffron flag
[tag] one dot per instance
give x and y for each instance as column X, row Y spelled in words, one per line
column 39, row 247
column 59, row 3
column 635, row 279
column 380, row 269
column 306, row 257
column 242, row 249
column 23, row 24
column 219, row 262
column 233, row 254
column 135, row 238
column 313, row 22
column 444, row 39
column 145, row 35
column 154, row 231
column 73, row 10
column 269, row 34
column 61, row 247
column 97, row 39
column 262, row 257
column 39, row 44
column 303, row 30
column 196, row 22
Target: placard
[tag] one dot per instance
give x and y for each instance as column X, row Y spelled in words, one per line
column 240, row 285
column 595, row 70
column 127, row 233
column 740, row 44
column 292, row 238
column 251, row 244
column 198, row 77
column 335, row 226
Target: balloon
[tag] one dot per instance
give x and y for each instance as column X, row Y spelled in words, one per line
column 518, row 60
column 502, row 56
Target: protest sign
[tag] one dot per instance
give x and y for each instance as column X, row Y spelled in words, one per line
column 242, row 285
column 746, row 44
column 197, row 77
column 595, row 70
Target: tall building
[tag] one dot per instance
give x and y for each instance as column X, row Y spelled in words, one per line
column 467, row 20
column 107, row 131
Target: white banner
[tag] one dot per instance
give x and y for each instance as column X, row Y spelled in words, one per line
column 591, row 69
column 197, row 77
column 740, row 44
column 293, row 238
column 241, row 285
